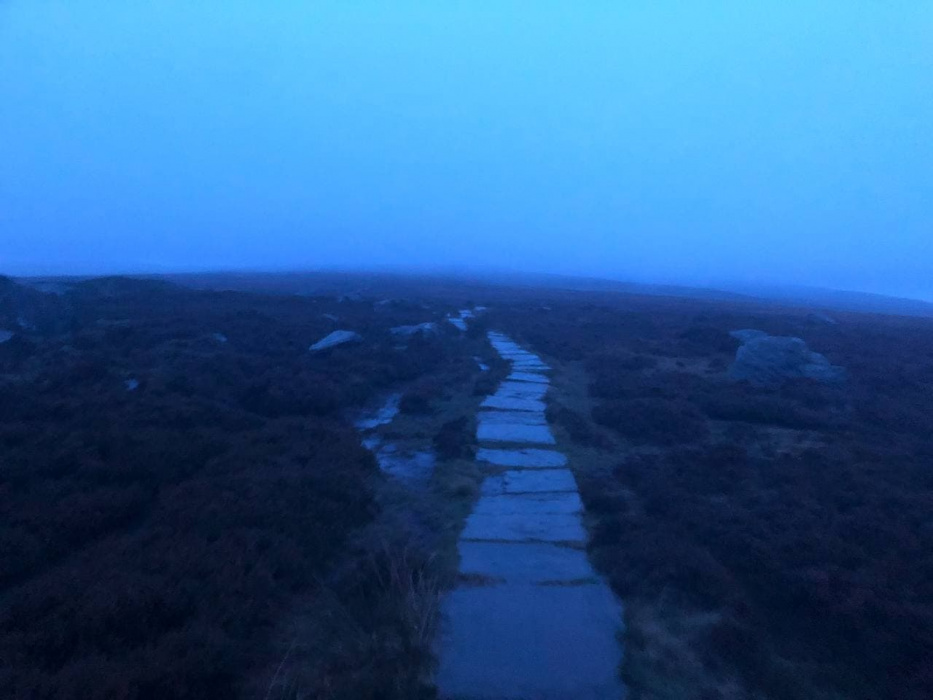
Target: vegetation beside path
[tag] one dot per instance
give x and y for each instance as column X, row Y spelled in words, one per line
column 178, row 477
column 766, row 542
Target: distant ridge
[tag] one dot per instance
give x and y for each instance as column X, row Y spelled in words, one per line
column 335, row 280
column 835, row 299
column 840, row 300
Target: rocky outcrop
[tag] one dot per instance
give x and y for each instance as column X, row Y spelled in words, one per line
column 766, row 360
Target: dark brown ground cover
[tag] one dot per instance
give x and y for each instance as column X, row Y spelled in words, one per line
column 151, row 539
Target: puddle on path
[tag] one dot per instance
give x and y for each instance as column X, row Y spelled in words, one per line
column 411, row 466
column 460, row 320
column 415, row 466
column 382, row 415
column 543, row 624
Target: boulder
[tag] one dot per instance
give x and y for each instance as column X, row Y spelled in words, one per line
column 766, row 360
column 334, row 339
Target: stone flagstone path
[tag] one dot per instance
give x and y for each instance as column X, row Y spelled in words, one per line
column 532, row 620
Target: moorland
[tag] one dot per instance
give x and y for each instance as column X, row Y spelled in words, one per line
column 185, row 499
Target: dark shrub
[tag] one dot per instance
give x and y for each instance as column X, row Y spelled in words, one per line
column 454, row 439
column 653, row 421
column 707, row 340
column 418, row 400
column 576, row 425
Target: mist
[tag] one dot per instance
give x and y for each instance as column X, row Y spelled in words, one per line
column 733, row 143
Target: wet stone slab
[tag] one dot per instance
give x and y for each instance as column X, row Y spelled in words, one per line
column 513, row 432
column 529, row 458
column 514, row 641
column 518, row 355
column 525, row 364
column 530, row 366
column 524, row 563
column 529, row 503
column 525, row 527
column 530, row 481
column 512, row 417
column 510, row 404
column 531, row 619
column 521, row 390
column 528, row 377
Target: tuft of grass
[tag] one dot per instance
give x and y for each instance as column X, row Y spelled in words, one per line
column 369, row 632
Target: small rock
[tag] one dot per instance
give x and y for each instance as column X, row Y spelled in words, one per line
column 336, row 338
column 822, row 319
column 219, row 337
column 428, row 328
column 5, row 335
column 131, row 384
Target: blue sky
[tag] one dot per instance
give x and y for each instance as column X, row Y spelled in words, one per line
column 692, row 142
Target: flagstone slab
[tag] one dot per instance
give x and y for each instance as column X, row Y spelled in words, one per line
column 520, row 641
column 512, row 417
column 530, row 458
column 533, row 377
column 531, row 619
column 529, row 503
column 529, row 481
column 521, row 390
column 511, row 432
column 525, row 527
column 510, row 404
column 524, row 562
